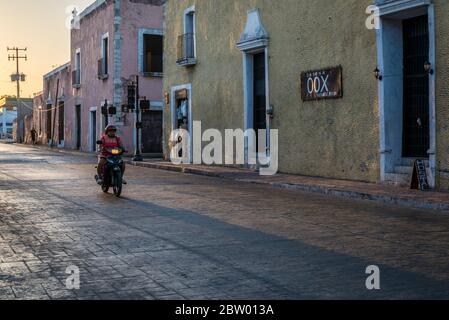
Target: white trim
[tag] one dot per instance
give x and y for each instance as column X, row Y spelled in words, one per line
column 406, row 9
column 140, row 43
column 173, row 121
column 57, row 70
column 191, row 11
column 103, row 37
column 156, row 105
column 91, row 111
column 254, row 40
column 76, row 124
column 88, row 10
column 399, row 6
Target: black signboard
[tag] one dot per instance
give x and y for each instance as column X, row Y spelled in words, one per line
column 144, row 105
column 419, row 178
column 112, row 110
column 322, row 84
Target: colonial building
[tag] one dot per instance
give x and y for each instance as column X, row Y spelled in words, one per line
column 112, row 41
column 51, row 121
column 356, row 91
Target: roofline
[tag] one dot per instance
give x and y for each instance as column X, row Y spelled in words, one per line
column 57, row 70
column 91, row 8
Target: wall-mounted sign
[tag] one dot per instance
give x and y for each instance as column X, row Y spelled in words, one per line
column 181, row 94
column 322, row 84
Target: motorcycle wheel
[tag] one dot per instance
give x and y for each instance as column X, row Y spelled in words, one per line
column 105, row 188
column 118, row 184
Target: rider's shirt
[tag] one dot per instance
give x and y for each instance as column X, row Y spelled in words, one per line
column 109, row 143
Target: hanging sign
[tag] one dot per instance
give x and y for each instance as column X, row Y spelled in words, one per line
column 322, row 84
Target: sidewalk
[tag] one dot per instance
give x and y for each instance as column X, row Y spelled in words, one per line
column 341, row 188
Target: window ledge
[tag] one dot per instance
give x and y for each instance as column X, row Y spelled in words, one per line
column 189, row 62
column 152, row 74
column 103, row 76
column 77, row 86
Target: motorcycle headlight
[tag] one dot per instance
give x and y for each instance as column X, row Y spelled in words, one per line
column 115, row 152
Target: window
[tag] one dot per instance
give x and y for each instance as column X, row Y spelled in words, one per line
column 103, row 63
column 76, row 74
column 153, row 48
column 187, row 41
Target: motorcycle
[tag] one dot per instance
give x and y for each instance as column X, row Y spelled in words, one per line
column 113, row 171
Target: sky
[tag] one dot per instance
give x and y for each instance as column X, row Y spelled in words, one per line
column 39, row 25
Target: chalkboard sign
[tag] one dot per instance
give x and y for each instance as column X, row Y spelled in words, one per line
column 419, row 178
column 322, row 84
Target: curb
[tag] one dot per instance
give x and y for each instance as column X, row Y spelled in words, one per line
column 338, row 192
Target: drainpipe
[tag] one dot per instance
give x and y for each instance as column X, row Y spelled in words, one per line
column 268, row 106
column 117, row 91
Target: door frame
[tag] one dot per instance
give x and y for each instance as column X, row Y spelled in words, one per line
column 77, row 123
column 159, row 107
column 254, row 40
column 174, row 119
column 92, row 147
column 388, row 144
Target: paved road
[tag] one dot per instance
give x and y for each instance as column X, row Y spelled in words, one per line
column 176, row 236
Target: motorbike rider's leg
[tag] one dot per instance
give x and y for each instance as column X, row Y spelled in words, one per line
column 100, row 170
column 123, row 174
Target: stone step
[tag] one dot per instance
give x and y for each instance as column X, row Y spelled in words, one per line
column 403, row 170
column 398, row 179
column 409, row 162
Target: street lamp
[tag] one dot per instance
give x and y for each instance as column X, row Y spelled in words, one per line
column 428, row 67
column 377, row 74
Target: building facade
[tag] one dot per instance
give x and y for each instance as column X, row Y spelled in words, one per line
column 112, row 41
column 12, row 109
column 51, row 120
column 355, row 88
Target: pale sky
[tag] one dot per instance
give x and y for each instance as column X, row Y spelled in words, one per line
column 39, row 25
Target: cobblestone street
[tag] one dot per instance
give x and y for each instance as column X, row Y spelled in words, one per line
column 179, row 236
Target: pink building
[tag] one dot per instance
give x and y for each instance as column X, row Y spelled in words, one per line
column 50, row 117
column 111, row 42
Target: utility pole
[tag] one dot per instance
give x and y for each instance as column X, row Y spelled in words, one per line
column 16, row 57
column 137, row 154
column 17, row 76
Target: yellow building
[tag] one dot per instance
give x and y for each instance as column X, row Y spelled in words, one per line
column 357, row 91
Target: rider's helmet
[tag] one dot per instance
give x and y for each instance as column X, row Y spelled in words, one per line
column 110, row 128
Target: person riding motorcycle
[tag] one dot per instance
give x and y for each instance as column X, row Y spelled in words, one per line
column 109, row 140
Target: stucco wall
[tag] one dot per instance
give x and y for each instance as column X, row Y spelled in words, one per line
column 65, row 95
column 331, row 138
column 315, row 138
column 442, row 94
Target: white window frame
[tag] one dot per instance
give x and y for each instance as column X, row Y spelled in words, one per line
column 78, row 65
column 141, row 47
column 103, row 37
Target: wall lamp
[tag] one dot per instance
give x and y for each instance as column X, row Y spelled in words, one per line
column 377, row 74
column 270, row 111
column 428, row 67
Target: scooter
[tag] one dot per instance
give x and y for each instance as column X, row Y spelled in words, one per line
column 113, row 171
